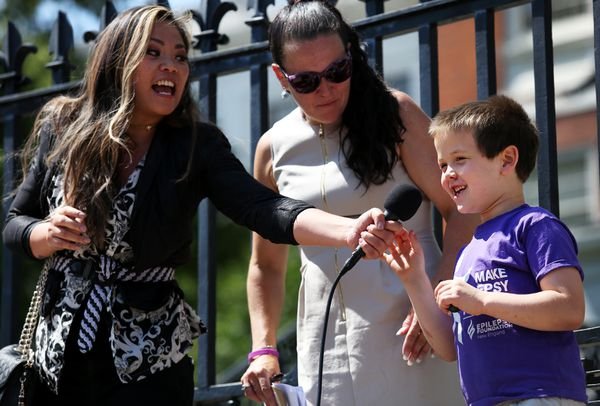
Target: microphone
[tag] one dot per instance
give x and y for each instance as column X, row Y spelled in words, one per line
column 400, row 205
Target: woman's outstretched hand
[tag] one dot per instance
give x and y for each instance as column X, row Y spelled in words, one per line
column 373, row 233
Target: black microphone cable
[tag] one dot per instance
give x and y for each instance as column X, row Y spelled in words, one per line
column 347, row 266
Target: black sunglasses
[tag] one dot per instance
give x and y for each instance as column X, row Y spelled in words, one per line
column 307, row 82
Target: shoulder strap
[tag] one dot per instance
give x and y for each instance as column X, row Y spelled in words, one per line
column 32, row 317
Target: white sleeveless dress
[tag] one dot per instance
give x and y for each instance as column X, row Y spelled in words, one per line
column 363, row 362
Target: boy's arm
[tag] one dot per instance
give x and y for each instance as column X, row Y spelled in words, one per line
column 559, row 306
column 435, row 324
column 407, row 261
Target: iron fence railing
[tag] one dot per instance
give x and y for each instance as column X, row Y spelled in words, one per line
column 423, row 19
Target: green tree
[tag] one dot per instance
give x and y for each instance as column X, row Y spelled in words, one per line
column 233, row 337
column 21, row 11
column 233, row 323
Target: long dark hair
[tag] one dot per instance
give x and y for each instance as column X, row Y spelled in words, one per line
column 372, row 115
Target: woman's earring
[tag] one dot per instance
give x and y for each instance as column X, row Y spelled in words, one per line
column 284, row 93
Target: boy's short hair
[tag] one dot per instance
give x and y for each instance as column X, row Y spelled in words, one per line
column 495, row 124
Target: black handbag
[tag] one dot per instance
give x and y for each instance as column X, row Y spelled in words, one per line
column 16, row 360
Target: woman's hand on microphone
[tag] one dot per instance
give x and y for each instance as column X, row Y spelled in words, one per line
column 373, row 233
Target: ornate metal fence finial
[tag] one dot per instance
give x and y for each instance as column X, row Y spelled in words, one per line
column 12, row 60
column 61, row 43
column 208, row 18
column 259, row 21
column 108, row 13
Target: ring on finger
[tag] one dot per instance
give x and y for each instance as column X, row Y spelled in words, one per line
column 264, row 385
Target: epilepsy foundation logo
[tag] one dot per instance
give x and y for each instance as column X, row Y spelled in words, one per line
column 490, row 328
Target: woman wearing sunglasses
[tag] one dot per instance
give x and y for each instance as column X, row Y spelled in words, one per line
column 349, row 142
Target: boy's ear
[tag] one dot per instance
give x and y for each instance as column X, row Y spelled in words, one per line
column 510, row 157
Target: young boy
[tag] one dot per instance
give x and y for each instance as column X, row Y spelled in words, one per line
column 517, row 291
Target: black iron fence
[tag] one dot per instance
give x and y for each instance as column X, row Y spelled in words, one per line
column 423, row 19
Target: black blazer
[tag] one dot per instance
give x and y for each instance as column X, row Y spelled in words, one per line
column 162, row 220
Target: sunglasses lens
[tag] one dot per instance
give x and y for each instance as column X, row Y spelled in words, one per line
column 308, row 82
column 305, row 82
column 340, row 71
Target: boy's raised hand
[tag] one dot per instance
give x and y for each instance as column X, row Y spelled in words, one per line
column 406, row 255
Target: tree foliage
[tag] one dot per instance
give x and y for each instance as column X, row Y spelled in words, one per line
column 22, row 10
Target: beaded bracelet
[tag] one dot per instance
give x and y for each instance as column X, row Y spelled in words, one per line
column 268, row 350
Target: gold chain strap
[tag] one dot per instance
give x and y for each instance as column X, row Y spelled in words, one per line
column 31, row 319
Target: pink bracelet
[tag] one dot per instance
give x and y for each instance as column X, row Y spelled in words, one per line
column 262, row 351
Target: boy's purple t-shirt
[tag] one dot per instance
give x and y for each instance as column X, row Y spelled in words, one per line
column 497, row 360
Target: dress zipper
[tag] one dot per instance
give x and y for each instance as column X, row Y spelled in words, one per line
column 324, row 197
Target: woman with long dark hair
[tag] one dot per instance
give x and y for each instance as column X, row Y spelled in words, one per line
column 350, row 141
